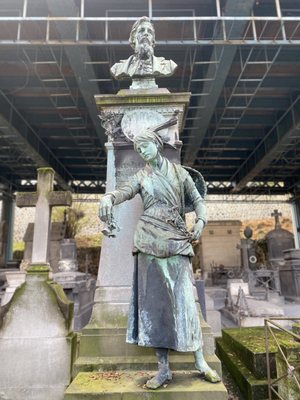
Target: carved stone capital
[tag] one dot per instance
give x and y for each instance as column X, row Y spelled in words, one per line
column 111, row 122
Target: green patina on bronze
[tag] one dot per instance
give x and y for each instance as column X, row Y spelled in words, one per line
column 163, row 305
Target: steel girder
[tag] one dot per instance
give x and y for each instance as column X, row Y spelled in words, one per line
column 207, row 104
column 28, row 140
column 276, row 142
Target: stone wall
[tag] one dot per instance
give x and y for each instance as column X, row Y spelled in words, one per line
column 218, row 209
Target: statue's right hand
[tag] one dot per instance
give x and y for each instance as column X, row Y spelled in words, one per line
column 105, row 209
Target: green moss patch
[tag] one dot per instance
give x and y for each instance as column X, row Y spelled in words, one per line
column 126, row 385
column 251, row 387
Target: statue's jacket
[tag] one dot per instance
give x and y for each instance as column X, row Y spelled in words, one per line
column 161, row 230
column 162, row 312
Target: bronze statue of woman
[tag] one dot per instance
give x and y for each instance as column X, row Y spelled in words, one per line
column 162, row 312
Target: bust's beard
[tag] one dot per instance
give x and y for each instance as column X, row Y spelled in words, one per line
column 144, row 50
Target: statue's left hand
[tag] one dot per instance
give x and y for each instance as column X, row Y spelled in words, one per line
column 105, row 209
column 198, row 228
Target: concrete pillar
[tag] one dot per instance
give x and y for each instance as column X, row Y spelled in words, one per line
column 295, row 206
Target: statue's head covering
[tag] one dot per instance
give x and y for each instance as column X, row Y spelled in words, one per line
column 134, row 29
column 146, row 137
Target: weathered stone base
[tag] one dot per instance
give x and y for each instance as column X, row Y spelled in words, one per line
column 37, row 344
column 129, row 386
column 141, row 362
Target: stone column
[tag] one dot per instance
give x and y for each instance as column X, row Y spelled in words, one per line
column 123, row 116
column 7, row 225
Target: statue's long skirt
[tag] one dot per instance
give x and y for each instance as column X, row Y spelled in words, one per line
column 163, row 312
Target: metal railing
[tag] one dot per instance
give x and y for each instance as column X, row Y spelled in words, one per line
column 259, row 29
column 291, row 370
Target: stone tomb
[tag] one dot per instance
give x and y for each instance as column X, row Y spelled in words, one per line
column 243, row 351
column 278, row 240
column 36, row 340
column 246, row 310
column 79, row 287
column 210, row 253
column 289, row 274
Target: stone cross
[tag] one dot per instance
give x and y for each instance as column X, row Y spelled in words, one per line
column 276, row 214
column 43, row 199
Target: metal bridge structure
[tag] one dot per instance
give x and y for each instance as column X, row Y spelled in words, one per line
column 239, row 59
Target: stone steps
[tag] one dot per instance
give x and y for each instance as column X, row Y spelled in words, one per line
column 184, row 361
column 111, row 342
column 251, row 387
column 128, row 385
column 249, row 346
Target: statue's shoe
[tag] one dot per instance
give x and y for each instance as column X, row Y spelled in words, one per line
column 159, row 380
column 210, row 375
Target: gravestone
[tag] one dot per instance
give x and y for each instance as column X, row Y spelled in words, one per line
column 246, row 310
column 36, row 340
column 44, row 199
column 40, row 248
column 56, row 235
column 248, row 253
column 278, row 240
column 79, row 287
column 289, row 274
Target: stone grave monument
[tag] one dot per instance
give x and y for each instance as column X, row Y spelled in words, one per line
column 57, row 231
column 263, row 280
column 246, row 310
column 278, row 240
column 79, row 287
column 289, row 274
column 102, row 345
column 36, row 340
column 44, row 199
